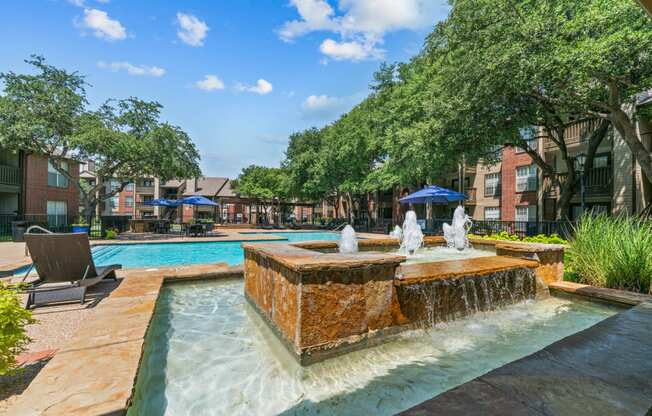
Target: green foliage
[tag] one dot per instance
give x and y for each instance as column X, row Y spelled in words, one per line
column 13, row 319
column 613, row 252
column 111, row 234
column 46, row 113
column 260, row 182
column 539, row 238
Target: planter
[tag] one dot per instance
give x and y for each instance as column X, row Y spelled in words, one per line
column 81, row 228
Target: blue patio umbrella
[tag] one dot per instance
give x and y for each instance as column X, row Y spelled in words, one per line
column 196, row 200
column 433, row 195
column 161, row 202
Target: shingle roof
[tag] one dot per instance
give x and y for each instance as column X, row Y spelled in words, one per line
column 207, row 186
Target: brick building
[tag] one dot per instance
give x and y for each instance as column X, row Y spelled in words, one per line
column 31, row 188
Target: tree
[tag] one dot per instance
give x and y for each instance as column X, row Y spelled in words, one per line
column 503, row 62
column 263, row 184
column 46, row 114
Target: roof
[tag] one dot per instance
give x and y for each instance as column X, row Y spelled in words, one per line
column 206, row 186
column 227, row 191
column 644, row 98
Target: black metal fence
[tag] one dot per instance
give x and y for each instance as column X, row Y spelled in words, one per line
column 480, row 227
column 62, row 224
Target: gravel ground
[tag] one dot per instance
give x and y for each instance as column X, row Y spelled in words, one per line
column 54, row 327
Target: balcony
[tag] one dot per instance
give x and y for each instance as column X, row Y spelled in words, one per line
column 597, row 182
column 470, row 196
column 9, row 175
column 573, row 134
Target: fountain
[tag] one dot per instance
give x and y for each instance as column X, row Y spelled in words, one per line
column 397, row 232
column 412, row 236
column 455, row 234
column 348, row 242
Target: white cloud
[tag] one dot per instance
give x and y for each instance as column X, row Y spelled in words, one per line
column 102, row 25
column 139, row 70
column 262, row 87
column 360, row 24
column 353, row 51
column 210, row 83
column 323, row 107
column 192, row 31
column 78, row 3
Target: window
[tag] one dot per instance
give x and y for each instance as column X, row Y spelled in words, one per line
column 599, row 161
column 55, row 178
column 146, row 198
column 57, row 213
column 148, row 183
column 526, row 178
column 492, row 213
column 129, row 187
column 129, row 202
column 455, row 183
column 114, row 185
column 114, row 202
column 529, row 135
column 492, row 184
column 526, row 213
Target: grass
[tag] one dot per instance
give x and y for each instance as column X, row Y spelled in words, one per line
column 613, row 252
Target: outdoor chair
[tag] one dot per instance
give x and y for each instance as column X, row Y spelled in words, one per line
column 65, row 267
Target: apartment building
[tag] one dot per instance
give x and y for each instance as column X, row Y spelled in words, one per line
column 30, row 188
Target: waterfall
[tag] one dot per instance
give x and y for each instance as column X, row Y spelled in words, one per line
column 348, row 241
column 444, row 300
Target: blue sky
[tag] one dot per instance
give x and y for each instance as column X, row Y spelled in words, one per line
column 238, row 75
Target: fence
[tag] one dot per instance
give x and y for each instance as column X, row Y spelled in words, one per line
column 63, row 224
column 481, row 227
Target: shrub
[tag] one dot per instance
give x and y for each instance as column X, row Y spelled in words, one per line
column 13, row 319
column 505, row 236
column 111, row 234
column 614, row 252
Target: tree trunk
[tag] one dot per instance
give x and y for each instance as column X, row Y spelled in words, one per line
column 626, row 127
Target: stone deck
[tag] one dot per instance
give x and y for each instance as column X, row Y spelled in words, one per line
column 603, row 370
column 95, row 372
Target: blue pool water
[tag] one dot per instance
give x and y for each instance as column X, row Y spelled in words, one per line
column 175, row 254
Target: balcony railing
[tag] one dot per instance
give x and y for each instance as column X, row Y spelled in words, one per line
column 470, row 196
column 597, row 182
column 9, row 175
column 573, row 133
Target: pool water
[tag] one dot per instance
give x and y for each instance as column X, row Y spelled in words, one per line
column 174, row 254
column 207, row 352
column 432, row 254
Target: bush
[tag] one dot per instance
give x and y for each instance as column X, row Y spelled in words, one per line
column 613, row 252
column 13, row 319
column 505, row 236
column 111, row 234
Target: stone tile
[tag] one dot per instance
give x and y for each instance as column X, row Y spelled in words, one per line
column 97, row 381
column 475, row 398
column 609, row 295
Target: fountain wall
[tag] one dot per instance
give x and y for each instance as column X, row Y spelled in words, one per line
column 322, row 303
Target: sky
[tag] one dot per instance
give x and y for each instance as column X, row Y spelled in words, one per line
column 239, row 76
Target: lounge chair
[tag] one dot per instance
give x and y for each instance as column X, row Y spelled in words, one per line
column 65, row 268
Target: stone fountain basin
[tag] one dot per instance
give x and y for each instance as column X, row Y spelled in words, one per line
column 321, row 303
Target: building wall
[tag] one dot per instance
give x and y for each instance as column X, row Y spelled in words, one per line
column 510, row 199
column 37, row 191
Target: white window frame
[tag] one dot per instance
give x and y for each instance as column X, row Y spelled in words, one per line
column 526, row 182
column 530, row 213
column 57, row 213
column 492, row 177
column 493, row 211
column 56, row 178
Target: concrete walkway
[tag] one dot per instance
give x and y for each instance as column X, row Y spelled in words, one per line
column 603, row 370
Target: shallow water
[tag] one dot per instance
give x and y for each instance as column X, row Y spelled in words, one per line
column 431, row 254
column 209, row 353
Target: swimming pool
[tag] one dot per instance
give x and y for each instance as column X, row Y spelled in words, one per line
column 174, row 254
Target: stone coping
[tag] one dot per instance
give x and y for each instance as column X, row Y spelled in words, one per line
column 409, row 274
column 621, row 297
column 303, row 260
column 95, row 372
